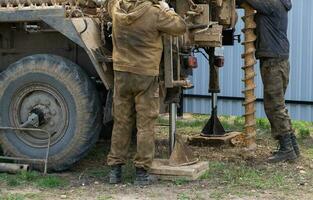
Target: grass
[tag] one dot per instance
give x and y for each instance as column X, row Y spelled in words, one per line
column 103, row 171
column 183, row 196
column 12, row 197
column 238, row 177
column 224, row 177
column 198, row 122
column 242, row 180
column 27, row 196
column 241, row 175
column 180, row 181
column 51, row 182
column 33, row 178
column 303, row 129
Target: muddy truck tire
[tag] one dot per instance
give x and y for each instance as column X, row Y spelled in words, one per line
column 66, row 101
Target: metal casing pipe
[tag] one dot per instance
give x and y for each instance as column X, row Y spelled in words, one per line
column 13, row 168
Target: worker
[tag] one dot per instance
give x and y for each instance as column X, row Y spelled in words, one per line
column 138, row 26
column 273, row 51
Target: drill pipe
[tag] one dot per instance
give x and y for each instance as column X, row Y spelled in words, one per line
column 249, row 62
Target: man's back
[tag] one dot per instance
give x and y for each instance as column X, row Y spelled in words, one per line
column 137, row 29
column 272, row 24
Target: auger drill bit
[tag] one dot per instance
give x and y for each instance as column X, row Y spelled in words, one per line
column 249, row 74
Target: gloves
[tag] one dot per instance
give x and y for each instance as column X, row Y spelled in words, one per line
column 164, row 5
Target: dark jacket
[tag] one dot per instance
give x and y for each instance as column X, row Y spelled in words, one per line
column 272, row 24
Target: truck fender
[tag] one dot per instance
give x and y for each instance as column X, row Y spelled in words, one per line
column 85, row 32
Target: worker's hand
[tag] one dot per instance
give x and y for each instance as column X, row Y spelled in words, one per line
column 164, row 5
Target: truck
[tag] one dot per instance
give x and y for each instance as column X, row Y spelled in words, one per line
column 56, row 70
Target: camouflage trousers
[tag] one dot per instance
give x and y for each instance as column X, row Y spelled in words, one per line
column 135, row 102
column 275, row 77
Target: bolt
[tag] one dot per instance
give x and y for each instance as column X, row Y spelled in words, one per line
column 53, row 112
column 51, row 123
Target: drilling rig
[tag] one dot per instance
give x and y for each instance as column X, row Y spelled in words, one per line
column 211, row 25
column 56, row 73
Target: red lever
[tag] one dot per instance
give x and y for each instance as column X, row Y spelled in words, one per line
column 192, row 62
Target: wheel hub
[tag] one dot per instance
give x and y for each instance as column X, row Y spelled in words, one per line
column 50, row 107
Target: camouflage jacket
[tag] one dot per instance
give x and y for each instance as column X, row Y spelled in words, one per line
column 138, row 26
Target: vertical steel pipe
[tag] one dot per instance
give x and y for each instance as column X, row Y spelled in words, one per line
column 173, row 118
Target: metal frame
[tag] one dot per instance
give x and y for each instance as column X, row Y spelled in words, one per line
column 30, row 13
column 45, row 160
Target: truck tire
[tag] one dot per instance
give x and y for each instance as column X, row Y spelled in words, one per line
column 66, row 98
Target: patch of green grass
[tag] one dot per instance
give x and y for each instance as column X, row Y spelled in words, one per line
column 12, row 182
column 241, row 175
column 217, row 194
column 230, row 123
column 230, row 179
column 304, row 133
column 180, row 181
column 233, row 123
column 12, row 197
column 33, row 196
column 263, row 124
column 191, row 123
column 51, row 182
column 183, row 196
column 239, row 121
column 184, row 123
column 98, row 172
column 3, row 177
column 308, row 152
column 186, row 126
column 304, row 129
column 28, row 176
column 33, row 178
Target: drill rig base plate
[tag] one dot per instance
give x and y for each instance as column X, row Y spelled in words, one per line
column 213, row 127
column 163, row 171
column 226, row 139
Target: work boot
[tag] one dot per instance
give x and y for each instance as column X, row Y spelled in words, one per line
column 143, row 177
column 115, row 175
column 295, row 144
column 285, row 152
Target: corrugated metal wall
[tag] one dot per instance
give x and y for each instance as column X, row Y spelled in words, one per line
column 301, row 77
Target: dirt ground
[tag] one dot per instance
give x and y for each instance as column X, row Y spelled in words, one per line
column 230, row 175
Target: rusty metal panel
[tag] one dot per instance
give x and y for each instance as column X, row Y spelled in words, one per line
column 301, row 77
